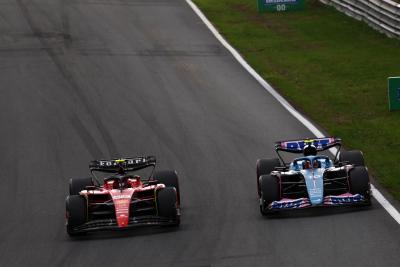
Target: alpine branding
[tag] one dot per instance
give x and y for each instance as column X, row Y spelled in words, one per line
column 315, row 191
column 299, row 145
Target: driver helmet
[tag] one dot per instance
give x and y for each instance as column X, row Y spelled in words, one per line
column 306, row 164
column 135, row 181
column 316, row 164
column 309, row 150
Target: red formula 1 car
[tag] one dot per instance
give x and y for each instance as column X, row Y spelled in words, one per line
column 122, row 198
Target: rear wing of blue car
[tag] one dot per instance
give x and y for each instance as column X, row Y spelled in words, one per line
column 297, row 146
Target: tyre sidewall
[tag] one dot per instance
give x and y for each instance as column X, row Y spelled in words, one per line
column 76, row 208
column 76, row 185
column 354, row 157
column 170, row 179
column 167, row 203
column 270, row 190
column 265, row 167
column 359, row 181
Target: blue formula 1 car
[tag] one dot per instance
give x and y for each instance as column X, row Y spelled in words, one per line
column 313, row 179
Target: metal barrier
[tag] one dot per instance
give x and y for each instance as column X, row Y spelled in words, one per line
column 383, row 15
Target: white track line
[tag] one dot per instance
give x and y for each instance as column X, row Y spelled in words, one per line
column 377, row 195
column 385, row 203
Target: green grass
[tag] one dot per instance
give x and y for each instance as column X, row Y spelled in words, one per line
column 329, row 66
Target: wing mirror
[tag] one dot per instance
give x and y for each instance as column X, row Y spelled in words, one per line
column 90, row 187
column 153, row 182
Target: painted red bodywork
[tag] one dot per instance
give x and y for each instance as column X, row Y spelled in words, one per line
column 123, row 198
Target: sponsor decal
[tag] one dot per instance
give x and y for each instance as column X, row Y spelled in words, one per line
column 122, row 204
column 290, row 204
column 342, row 200
column 117, row 162
column 299, row 145
column 315, row 190
column 121, row 197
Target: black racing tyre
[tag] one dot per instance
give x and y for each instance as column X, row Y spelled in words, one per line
column 167, row 203
column 270, row 191
column 76, row 211
column 76, row 185
column 359, row 182
column 264, row 167
column 170, row 179
column 354, row 157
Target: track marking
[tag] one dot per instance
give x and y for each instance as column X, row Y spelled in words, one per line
column 375, row 192
column 385, row 203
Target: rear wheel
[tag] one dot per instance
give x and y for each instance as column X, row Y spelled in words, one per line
column 359, row 182
column 167, row 204
column 76, row 209
column 270, row 191
column 170, row 179
column 76, row 185
column 265, row 167
column 354, row 157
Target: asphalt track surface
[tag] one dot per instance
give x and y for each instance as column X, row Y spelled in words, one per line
column 81, row 80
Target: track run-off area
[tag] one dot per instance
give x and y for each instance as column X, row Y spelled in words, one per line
column 90, row 79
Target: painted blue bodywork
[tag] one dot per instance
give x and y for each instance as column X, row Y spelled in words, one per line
column 313, row 168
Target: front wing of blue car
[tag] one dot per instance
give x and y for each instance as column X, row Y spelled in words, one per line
column 300, row 203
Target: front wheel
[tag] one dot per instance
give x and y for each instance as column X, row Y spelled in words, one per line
column 359, row 182
column 265, row 167
column 76, row 213
column 270, row 192
column 170, row 179
column 167, row 204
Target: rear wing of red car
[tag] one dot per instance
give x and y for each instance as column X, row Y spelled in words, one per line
column 126, row 164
